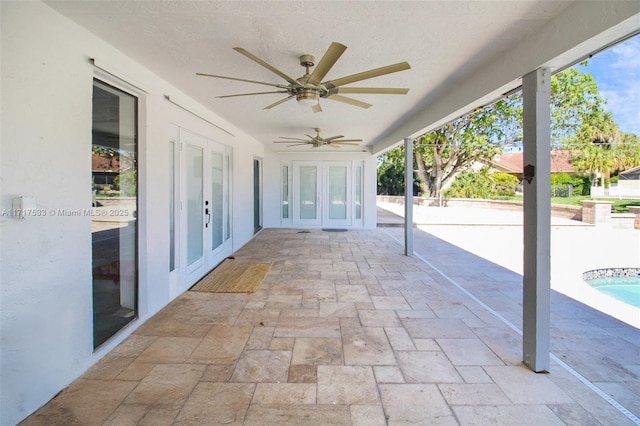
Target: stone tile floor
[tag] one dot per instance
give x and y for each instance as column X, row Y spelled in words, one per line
column 346, row 330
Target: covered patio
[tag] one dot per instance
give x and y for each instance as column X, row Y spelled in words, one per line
column 345, row 329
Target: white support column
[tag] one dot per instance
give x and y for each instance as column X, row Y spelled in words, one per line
column 408, row 197
column 536, row 91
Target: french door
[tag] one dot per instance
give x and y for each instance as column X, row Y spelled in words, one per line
column 204, row 205
column 322, row 193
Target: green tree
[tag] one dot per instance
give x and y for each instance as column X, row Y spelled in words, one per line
column 594, row 146
column 445, row 152
column 627, row 153
column 442, row 154
column 575, row 100
column 391, row 173
column 597, row 145
column 575, row 106
column 126, row 183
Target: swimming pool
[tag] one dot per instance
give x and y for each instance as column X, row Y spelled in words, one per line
column 620, row 283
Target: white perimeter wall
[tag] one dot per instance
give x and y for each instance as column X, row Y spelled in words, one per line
column 46, row 280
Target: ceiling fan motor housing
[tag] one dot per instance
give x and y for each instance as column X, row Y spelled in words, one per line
column 307, row 60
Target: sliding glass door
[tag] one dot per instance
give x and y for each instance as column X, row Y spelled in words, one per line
column 114, row 207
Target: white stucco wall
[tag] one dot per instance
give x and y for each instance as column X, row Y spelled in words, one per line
column 46, row 282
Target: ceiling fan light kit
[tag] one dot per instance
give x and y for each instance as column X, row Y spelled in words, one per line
column 308, row 89
column 308, row 98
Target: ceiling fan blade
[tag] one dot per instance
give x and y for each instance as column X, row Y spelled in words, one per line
column 297, row 144
column 333, row 137
column 349, row 101
column 343, row 143
column 316, row 108
column 293, row 139
column 377, row 72
column 372, row 90
column 282, row 86
column 329, row 59
column 279, row 102
column 249, row 94
column 354, row 141
column 266, row 65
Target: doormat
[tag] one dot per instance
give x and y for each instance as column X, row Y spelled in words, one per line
column 334, row 230
column 234, row 276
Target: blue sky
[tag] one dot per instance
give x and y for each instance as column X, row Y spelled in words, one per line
column 617, row 73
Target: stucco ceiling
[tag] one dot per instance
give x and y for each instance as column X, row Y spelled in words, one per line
column 445, row 42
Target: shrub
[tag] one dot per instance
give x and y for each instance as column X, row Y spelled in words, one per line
column 581, row 184
column 558, row 179
column 470, row 184
column 504, row 184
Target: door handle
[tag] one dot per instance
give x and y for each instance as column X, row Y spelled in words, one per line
column 206, row 212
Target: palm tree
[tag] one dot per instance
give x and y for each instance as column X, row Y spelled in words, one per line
column 595, row 147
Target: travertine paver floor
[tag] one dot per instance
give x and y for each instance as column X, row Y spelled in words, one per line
column 344, row 330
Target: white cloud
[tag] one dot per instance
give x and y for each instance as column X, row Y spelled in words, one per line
column 627, row 55
column 619, row 82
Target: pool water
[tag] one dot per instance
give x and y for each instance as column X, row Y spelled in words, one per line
column 620, row 283
column 625, row 289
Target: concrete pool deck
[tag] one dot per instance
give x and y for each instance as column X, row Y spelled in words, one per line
column 496, row 235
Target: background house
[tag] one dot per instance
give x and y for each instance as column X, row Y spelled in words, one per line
column 513, row 163
column 628, row 184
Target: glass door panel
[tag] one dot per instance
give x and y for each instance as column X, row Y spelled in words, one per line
column 308, row 192
column 115, row 201
column 257, row 195
column 337, row 196
column 195, row 204
column 228, row 155
column 285, row 192
column 217, row 199
column 358, row 193
column 337, row 208
column 172, row 205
